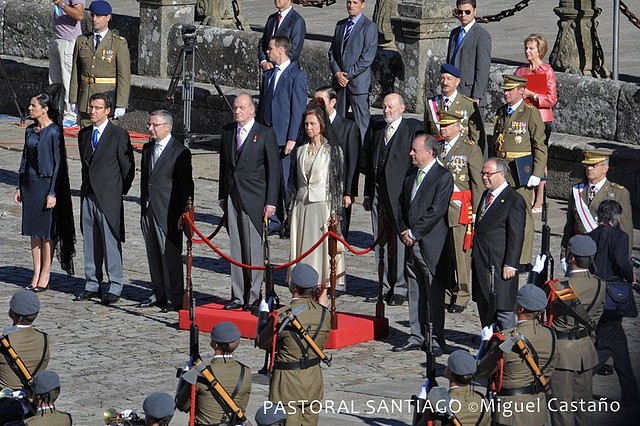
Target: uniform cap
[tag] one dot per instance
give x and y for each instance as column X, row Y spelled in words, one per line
column 532, row 298
column 304, row 276
column 449, row 117
column 462, row 363
column 269, row 414
column 24, row 303
column 45, row 382
column 450, row 69
column 159, row 405
column 225, row 332
column 512, row 81
column 595, row 156
column 100, row 8
column 582, row 246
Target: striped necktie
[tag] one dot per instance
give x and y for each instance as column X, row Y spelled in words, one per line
column 347, row 34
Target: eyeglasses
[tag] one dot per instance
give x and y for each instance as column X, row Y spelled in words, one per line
column 460, row 12
column 155, row 124
column 96, row 107
column 489, row 174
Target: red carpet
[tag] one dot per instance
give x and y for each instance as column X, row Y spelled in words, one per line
column 352, row 328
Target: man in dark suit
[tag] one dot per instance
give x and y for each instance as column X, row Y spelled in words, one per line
column 249, row 184
column 470, row 51
column 497, row 246
column 424, row 204
column 349, row 139
column 351, row 55
column 166, row 184
column 107, row 173
column 388, row 162
column 286, row 22
column 283, row 99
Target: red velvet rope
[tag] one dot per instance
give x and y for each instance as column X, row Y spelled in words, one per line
column 214, row 233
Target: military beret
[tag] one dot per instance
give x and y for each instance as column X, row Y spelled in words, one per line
column 225, row 332
column 582, row 246
column 45, row 382
column 512, row 81
column 100, row 7
column 159, row 405
column 450, row 69
column 449, row 117
column 25, row 302
column 461, row 363
column 532, row 298
column 304, row 276
column 267, row 415
column 10, row 410
column 595, row 156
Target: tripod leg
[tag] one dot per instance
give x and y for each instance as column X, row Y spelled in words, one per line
column 175, row 77
column 13, row 93
column 213, row 79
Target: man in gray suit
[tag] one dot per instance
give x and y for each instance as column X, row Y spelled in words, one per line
column 249, row 185
column 470, row 51
column 165, row 185
column 351, row 55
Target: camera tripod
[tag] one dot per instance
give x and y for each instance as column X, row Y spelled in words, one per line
column 21, row 114
column 185, row 71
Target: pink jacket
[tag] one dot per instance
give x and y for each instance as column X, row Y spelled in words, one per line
column 547, row 101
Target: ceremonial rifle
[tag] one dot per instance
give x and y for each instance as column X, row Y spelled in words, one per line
column 270, row 292
column 547, row 272
column 517, row 341
column 290, row 317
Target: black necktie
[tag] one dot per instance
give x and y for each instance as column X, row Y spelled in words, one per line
column 98, row 38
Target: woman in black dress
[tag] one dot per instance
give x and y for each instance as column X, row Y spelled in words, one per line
column 43, row 191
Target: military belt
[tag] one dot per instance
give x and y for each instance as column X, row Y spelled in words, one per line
column 512, row 155
column 301, row 364
column 98, row 80
column 573, row 334
column 532, row 389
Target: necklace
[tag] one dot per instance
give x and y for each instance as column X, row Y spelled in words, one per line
column 311, row 151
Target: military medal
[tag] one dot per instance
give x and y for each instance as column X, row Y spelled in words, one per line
column 518, row 139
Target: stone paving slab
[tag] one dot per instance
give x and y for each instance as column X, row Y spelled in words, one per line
column 114, row 357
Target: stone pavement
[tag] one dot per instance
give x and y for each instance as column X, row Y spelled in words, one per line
column 114, row 357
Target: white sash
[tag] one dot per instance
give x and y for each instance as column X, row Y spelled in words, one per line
column 584, row 214
column 434, row 113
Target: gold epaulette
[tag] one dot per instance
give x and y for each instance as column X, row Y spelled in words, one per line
column 617, row 185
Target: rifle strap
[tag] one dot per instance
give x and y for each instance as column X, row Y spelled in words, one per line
column 483, row 412
column 239, row 382
column 304, row 348
column 578, row 311
column 45, row 344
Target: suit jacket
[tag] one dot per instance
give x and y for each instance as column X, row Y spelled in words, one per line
column 472, row 125
column 357, row 57
column 253, row 173
column 473, row 59
column 426, row 214
column 110, row 60
column 167, row 187
column 282, row 110
column 612, row 258
column 108, row 172
column 349, row 139
column 397, row 164
column 499, row 235
column 610, row 190
column 292, row 26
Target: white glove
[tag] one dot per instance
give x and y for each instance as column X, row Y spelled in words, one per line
column 486, row 332
column 74, row 108
column 424, row 390
column 564, row 265
column 264, row 306
column 119, row 112
column 533, row 181
column 539, row 263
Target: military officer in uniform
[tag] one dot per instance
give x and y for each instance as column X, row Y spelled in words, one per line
column 31, row 345
column 101, row 63
column 297, row 375
column 464, row 160
column 234, row 377
column 453, row 101
column 519, row 384
column 575, row 326
column 46, row 389
column 158, row 409
column 586, row 197
column 517, row 134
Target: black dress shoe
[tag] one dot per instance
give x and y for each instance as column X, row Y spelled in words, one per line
column 436, row 350
column 109, row 299
column 84, row 296
column 371, row 299
column 169, row 308
column 146, row 304
column 233, row 305
column 396, row 300
column 605, row 370
column 409, row 346
column 456, row 309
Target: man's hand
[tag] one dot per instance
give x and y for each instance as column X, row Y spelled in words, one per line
column 341, row 77
column 347, row 201
column 406, row 238
column 266, row 65
column 17, row 197
column 508, row 272
column 74, row 108
column 119, row 112
column 366, row 204
column 268, row 212
column 289, row 147
column 51, row 201
column 533, row 181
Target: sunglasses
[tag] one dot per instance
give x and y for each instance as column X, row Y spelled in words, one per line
column 460, row 12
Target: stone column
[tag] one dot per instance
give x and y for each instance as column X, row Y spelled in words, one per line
column 421, row 31
column 577, row 48
column 156, row 19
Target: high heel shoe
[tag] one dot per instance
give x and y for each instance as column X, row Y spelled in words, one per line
column 31, row 287
column 39, row 289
